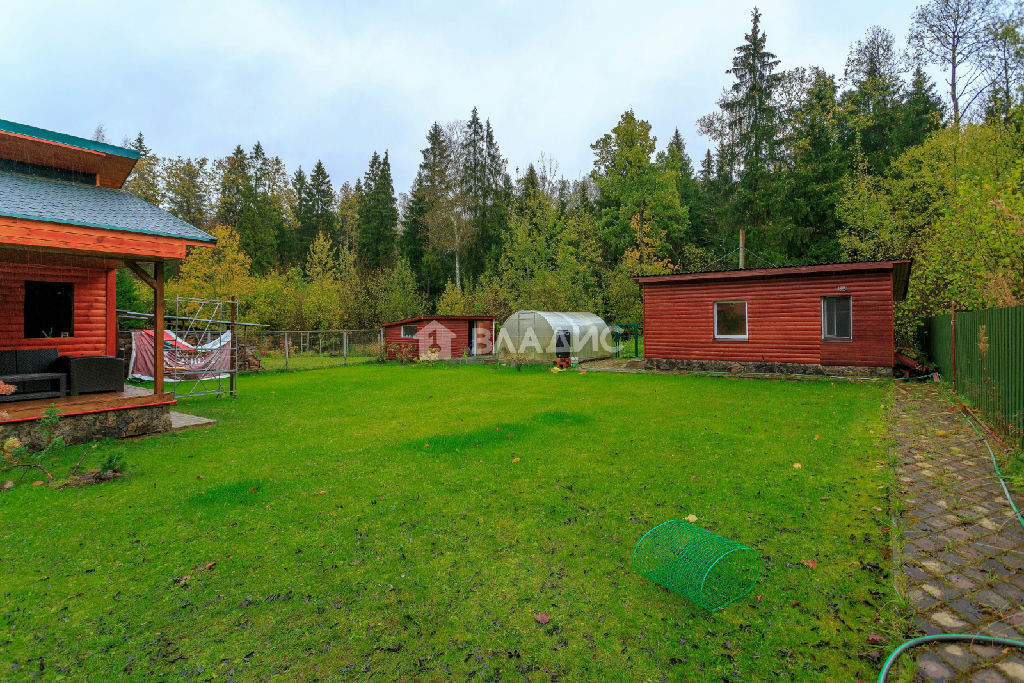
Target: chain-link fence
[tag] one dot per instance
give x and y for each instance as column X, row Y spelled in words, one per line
column 262, row 350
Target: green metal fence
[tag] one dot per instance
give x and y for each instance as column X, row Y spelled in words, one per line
column 982, row 352
column 628, row 339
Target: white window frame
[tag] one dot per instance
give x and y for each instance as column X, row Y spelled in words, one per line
column 746, row 321
column 824, row 331
column 409, row 336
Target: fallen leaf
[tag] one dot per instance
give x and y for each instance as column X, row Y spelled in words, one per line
column 511, row 436
column 199, row 476
column 209, row 565
column 816, row 437
column 795, row 603
column 515, row 459
column 320, row 493
column 37, row 483
column 876, row 639
column 813, row 564
column 542, row 618
column 181, row 579
column 691, row 518
column 797, row 466
column 940, row 432
column 759, row 597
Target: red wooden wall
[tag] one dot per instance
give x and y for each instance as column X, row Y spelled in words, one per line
column 783, row 319
column 459, row 327
column 94, row 316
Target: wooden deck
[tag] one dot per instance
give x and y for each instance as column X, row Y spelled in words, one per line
column 131, row 397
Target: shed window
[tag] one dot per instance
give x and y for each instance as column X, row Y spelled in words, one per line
column 730, row 320
column 836, row 317
column 408, row 331
column 49, row 309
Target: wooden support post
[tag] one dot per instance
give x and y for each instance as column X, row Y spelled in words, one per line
column 158, row 327
column 743, row 249
column 285, row 350
column 234, row 346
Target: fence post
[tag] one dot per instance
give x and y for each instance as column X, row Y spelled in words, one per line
column 344, row 346
column 234, row 348
column 285, row 350
column 952, row 324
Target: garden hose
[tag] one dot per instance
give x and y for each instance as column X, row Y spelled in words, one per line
column 956, row 637
column 961, row 637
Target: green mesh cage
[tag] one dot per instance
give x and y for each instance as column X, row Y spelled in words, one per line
column 702, row 566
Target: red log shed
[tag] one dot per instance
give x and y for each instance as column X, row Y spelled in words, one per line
column 823, row 319
column 449, row 336
column 66, row 226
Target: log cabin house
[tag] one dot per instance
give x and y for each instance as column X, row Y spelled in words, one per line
column 66, row 226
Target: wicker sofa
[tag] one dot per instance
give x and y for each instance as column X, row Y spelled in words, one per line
column 73, row 374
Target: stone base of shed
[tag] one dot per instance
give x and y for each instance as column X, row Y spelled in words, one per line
column 764, row 368
column 113, row 424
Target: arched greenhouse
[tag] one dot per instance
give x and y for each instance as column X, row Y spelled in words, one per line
column 542, row 334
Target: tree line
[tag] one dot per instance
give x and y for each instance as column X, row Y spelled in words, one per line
column 814, row 167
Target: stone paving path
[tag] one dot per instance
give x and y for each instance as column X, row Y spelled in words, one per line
column 964, row 549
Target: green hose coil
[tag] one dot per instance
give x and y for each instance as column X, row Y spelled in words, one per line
column 705, row 568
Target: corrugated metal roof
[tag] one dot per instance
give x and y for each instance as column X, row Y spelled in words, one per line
column 775, row 272
column 65, row 139
column 437, row 317
column 55, row 201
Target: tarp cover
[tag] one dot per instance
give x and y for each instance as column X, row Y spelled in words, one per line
column 182, row 361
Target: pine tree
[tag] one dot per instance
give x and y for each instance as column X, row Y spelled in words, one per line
column 819, row 163
column 187, row 189
column 144, row 181
column 874, row 73
column 378, row 215
column 301, row 214
column 753, row 123
column 920, row 114
column 234, row 187
column 631, row 185
column 675, row 160
column 321, row 202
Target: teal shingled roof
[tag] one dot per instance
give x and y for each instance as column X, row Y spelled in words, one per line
column 65, row 139
column 56, row 201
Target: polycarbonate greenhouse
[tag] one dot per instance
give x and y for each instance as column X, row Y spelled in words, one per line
column 536, row 334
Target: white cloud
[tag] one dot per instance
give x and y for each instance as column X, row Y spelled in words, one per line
column 321, row 81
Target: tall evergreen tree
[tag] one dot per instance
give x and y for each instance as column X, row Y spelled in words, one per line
column 234, row 187
column 145, row 179
column 820, row 159
column 748, row 130
column 378, row 215
column 632, row 185
column 321, row 201
column 675, row 160
column 187, row 190
column 301, row 214
column 921, row 112
column 874, row 74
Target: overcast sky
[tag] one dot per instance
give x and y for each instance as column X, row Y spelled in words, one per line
column 336, row 81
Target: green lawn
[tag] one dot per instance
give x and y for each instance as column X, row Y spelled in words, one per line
column 374, row 521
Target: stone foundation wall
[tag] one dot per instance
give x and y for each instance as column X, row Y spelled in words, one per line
column 763, row 368
column 75, row 429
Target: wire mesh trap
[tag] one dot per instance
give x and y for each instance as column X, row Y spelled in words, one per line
column 705, row 568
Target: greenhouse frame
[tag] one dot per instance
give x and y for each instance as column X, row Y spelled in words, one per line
column 535, row 333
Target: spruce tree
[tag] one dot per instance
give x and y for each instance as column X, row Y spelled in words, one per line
column 322, row 216
column 301, row 211
column 753, row 122
column 378, row 215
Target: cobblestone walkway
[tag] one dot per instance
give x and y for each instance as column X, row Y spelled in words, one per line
column 964, row 550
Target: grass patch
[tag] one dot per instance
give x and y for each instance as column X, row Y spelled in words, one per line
column 344, row 546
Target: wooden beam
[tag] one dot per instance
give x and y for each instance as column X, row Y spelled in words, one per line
column 141, row 273
column 158, row 327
